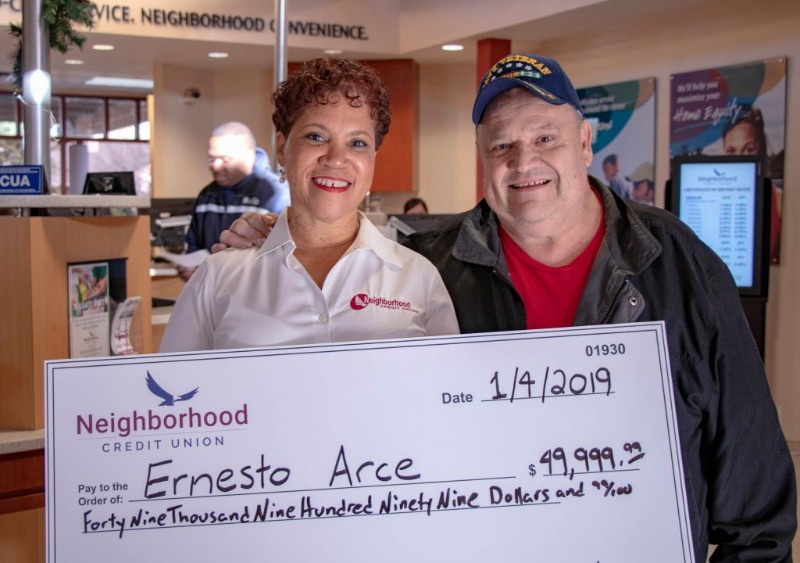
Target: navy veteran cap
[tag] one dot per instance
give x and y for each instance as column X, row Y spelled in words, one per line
column 542, row 76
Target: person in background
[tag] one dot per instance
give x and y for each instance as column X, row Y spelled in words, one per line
column 746, row 135
column 644, row 187
column 326, row 274
column 613, row 180
column 415, row 206
column 551, row 246
column 236, row 188
column 263, row 169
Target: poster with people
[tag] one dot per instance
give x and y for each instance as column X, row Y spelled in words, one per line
column 623, row 118
column 89, row 309
column 739, row 109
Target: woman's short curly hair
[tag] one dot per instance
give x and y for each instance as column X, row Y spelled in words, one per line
column 323, row 81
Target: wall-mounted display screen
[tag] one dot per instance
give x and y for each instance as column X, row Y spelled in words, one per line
column 724, row 200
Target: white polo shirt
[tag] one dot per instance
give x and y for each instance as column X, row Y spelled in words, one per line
column 262, row 297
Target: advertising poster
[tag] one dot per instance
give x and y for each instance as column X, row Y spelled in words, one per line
column 554, row 445
column 89, row 305
column 738, row 109
column 623, row 117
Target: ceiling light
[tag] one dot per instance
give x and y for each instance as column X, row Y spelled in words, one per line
column 218, row 55
column 73, row 62
column 452, row 47
column 120, row 82
column 103, row 47
column 333, row 51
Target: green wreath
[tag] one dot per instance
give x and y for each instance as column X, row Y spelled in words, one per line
column 61, row 16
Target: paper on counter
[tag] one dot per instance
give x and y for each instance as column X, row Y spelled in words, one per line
column 191, row 260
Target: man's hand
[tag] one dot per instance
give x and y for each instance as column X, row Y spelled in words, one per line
column 251, row 229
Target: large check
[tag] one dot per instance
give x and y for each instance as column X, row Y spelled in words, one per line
column 556, row 445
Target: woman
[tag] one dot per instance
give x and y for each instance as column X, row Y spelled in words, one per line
column 746, row 135
column 325, row 274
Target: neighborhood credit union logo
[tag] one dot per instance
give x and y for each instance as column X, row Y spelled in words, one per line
column 168, row 398
column 362, row 300
column 359, row 301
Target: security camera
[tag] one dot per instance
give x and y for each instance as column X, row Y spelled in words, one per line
column 192, row 93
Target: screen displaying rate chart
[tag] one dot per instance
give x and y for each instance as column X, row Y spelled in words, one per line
column 556, row 445
column 718, row 201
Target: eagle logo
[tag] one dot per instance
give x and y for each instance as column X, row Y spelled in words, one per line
column 169, row 398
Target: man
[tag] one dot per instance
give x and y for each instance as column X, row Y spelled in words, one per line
column 644, row 188
column 611, row 173
column 239, row 185
column 551, row 246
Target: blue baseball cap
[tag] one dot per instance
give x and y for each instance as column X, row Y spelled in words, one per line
column 541, row 76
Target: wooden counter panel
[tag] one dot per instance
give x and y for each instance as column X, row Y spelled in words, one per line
column 21, row 481
column 34, row 324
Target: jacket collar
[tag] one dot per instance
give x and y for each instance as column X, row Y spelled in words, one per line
column 478, row 240
column 630, row 244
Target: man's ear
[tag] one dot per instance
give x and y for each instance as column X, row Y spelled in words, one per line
column 586, row 142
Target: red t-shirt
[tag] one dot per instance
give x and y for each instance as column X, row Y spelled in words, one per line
column 551, row 295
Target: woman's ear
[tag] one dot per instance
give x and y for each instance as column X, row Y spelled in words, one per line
column 280, row 148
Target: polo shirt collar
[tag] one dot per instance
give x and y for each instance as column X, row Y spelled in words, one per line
column 368, row 238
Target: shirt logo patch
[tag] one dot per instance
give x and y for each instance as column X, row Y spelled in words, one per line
column 362, row 300
column 359, row 301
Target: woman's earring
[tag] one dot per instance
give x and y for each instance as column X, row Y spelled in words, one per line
column 282, row 179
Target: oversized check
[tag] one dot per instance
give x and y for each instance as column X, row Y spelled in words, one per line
column 557, row 445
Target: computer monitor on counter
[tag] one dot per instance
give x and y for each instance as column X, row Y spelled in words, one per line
column 109, row 183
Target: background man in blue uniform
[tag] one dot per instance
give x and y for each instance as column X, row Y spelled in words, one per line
column 242, row 182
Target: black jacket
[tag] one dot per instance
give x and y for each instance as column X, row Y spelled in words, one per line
column 217, row 207
column 739, row 473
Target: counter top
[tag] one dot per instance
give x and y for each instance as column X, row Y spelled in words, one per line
column 72, row 201
column 13, row 441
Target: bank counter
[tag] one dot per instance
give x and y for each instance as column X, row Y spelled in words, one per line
column 34, row 327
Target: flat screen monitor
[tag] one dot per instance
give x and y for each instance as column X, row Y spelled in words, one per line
column 725, row 201
column 109, row 183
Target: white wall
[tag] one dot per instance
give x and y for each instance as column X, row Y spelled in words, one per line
column 180, row 130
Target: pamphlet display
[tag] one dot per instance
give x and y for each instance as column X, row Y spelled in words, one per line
column 121, row 344
column 556, row 445
column 89, row 305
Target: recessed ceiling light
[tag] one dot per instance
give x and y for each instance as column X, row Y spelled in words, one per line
column 452, row 47
column 218, row 55
column 103, row 47
column 120, row 82
column 333, row 51
column 73, row 62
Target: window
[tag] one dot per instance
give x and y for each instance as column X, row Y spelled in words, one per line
column 122, row 120
column 85, row 118
column 116, row 130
